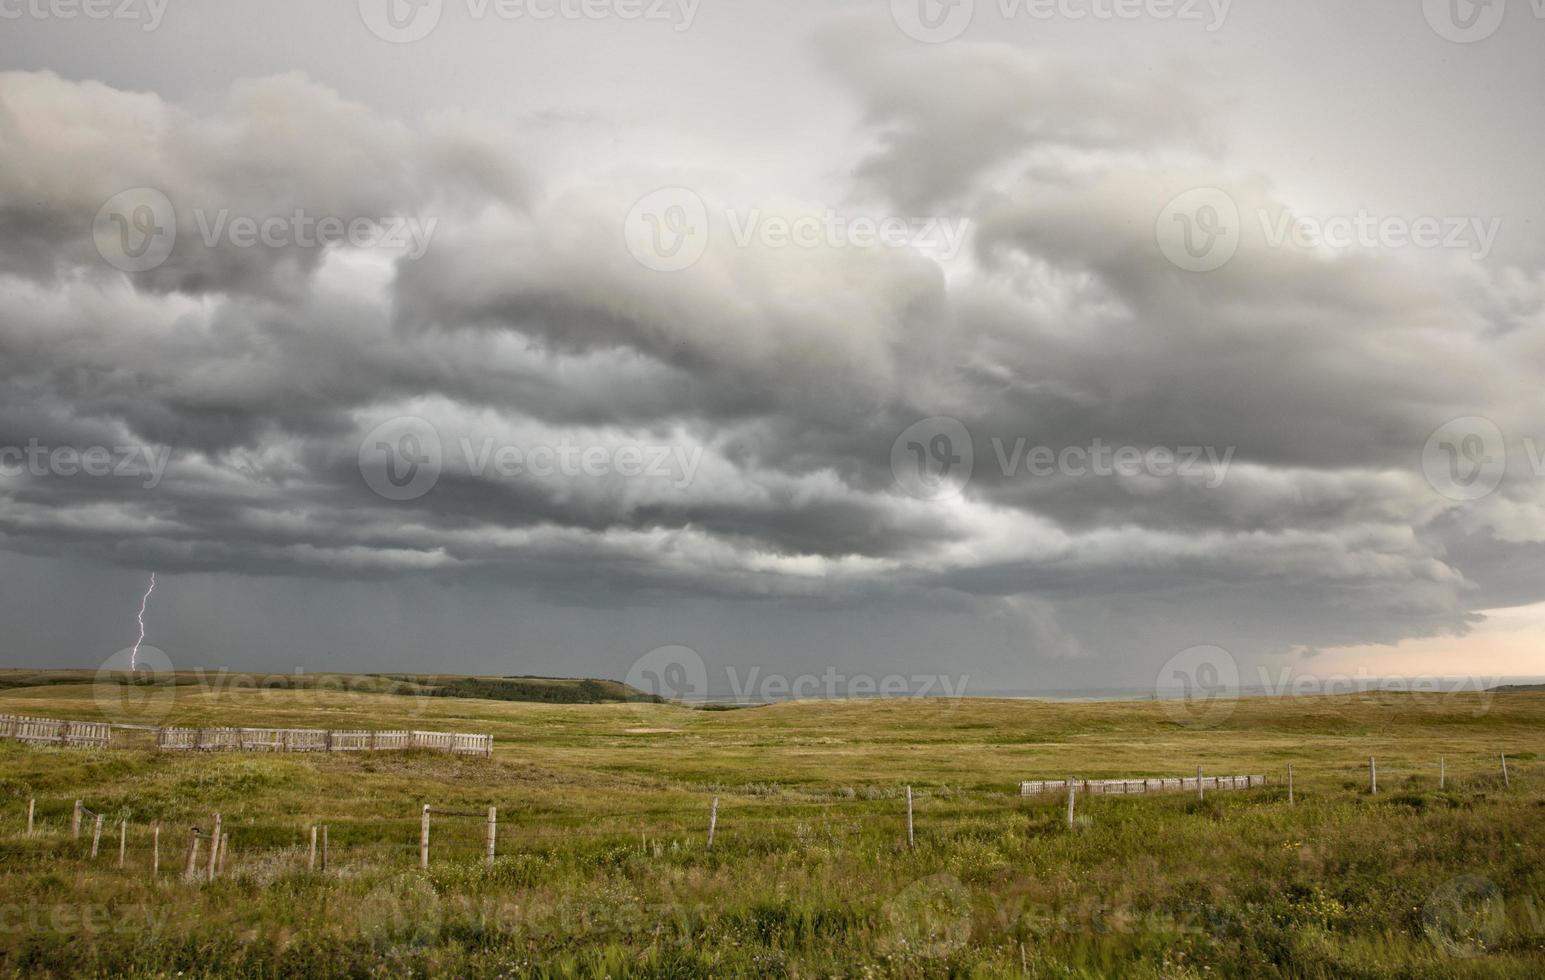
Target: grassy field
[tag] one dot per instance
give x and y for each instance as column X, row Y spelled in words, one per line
column 604, row 869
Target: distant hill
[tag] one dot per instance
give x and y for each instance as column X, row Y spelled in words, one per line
column 1515, row 688
column 551, row 690
column 557, row 690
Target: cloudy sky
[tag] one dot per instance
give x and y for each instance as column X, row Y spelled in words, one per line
column 1028, row 344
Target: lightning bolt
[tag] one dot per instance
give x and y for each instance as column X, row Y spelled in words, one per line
column 134, row 654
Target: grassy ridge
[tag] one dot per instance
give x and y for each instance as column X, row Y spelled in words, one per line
column 604, row 869
column 556, row 690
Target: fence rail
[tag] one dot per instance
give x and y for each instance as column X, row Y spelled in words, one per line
column 317, row 740
column 1119, row 787
column 55, row 731
column 51, row 731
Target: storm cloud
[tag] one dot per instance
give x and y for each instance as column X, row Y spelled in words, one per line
column 594, row 427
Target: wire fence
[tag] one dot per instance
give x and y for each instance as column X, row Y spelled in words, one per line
column 105, row 837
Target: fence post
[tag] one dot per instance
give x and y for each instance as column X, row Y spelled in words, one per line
column 191, row 872
column 423, row 839
column 31, row 805
column 1373, row 776
column 493, row 832
column 123, row 839
column 909, row 817
column 75, row 822
column 1506, row 782
column 1201, row 794
column 713, row 821
column 1442, row 772
column 324, row 847
column 1071, row 785
column 311, row 857
column 1290, row 784
column 225, row 847
column 155, row 849
column 214, row 848
column 96, row 835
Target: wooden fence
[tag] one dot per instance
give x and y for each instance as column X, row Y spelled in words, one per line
column 1118, row 787
column 318, row 740
column 51, row 731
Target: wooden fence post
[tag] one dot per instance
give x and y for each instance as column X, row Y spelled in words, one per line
column 191, row 872
column 423, row 839
column 1071, row 789
column 909, row 817
column 1506, row 782
column 311, row 856
column 493, row 833
column 1290, row 784
column 214, row 848
column 225, row 849
column 324, row 847
column 155, row 849
column 96, row 836
column 1442, row 772
column 713, row 821
column 31, row 805
column 123, row 840
column 1373, row 776
column 1201, row 794
column 75, row 822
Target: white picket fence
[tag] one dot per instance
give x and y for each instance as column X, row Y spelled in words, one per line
column 1119, row 787
column 51, row 731
column 318, row 740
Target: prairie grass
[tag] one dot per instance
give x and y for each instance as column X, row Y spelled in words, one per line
column 603, row 868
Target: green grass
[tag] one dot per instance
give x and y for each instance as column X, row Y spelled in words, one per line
column 604, row 869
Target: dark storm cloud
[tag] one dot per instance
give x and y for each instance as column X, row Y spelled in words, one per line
column 784, row 374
